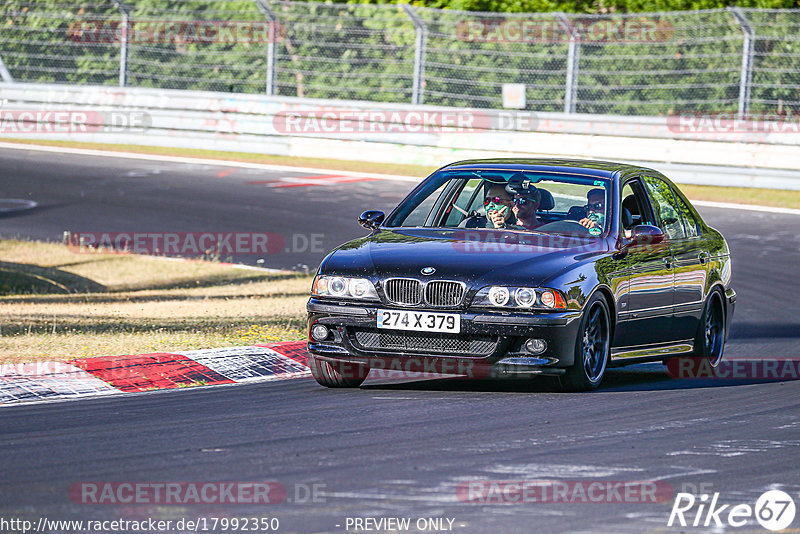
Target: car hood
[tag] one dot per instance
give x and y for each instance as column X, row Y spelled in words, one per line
column 476, row 257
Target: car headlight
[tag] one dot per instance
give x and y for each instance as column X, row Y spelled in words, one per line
column 525, row 297
column 344, row 287
column 520, row 297
column 498, row 295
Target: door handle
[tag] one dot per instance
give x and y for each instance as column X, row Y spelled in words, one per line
column 703, row 257
column 668, row 263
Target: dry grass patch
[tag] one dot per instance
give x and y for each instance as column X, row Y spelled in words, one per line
column 248, row 157
column 83, row 305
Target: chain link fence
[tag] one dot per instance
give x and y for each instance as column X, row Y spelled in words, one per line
column 726, row 60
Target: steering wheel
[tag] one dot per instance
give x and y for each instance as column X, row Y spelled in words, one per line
column 564, row 226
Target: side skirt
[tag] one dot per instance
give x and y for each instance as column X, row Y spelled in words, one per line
column 645, row 353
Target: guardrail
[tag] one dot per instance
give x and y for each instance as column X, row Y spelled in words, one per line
column 647, row 63
column 382, row 132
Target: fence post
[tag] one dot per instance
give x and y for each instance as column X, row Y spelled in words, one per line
column 573, row 58
column 419, row 54
column 746, row 78
column 4, row 74
column 272, row 46
column 124, row 46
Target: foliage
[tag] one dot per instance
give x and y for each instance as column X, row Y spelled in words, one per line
column 595, row 6
column 355, row 51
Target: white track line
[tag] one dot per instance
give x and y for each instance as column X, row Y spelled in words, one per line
column 204, row 161
column 289, row 168
column 747, row 207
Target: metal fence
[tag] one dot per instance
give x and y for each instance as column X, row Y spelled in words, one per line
column 740, row 60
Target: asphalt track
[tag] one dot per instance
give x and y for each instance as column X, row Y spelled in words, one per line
column 394, row 448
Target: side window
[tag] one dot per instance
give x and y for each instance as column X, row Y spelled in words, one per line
column 634, row 201
column 461, row 205
column 628, row 209
column 665, row 207
column 689, row 222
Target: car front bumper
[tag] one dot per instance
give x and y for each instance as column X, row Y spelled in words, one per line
column 507, row 330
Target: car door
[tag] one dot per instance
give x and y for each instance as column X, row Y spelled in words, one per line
column 647, row 314
column 691, row 271
column 670, row 221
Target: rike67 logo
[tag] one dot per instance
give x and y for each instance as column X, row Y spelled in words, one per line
column 774, row 510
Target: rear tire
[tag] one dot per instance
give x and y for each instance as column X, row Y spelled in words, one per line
column 592, row 348
column 336, row 374
column 709, row 342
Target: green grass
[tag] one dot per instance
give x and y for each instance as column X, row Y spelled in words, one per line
column 743, row 195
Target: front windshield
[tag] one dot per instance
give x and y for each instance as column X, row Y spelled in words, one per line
column 522, row 201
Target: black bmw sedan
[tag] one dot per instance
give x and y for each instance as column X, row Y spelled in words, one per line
column 538, row 267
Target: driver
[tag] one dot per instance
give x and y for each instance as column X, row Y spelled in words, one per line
column 595, row 209
column 526, row 202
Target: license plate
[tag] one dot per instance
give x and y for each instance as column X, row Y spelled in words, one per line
column 421, row 321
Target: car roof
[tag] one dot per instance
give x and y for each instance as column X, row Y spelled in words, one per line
column 600, row 169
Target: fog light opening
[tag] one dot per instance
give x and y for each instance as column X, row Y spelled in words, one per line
column 320, row 332
column 535, row 346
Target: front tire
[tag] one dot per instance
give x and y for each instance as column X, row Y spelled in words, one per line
column 709, row 343
column 337, row 374
column 592, row 348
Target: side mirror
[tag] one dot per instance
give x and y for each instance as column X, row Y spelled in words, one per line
column 644, row 234
column 371, row 219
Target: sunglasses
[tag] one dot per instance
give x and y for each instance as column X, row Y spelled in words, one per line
column 596, row 205
column 495, row 200
column 523, row 201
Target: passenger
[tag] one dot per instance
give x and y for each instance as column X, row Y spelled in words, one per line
column 595, row 209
